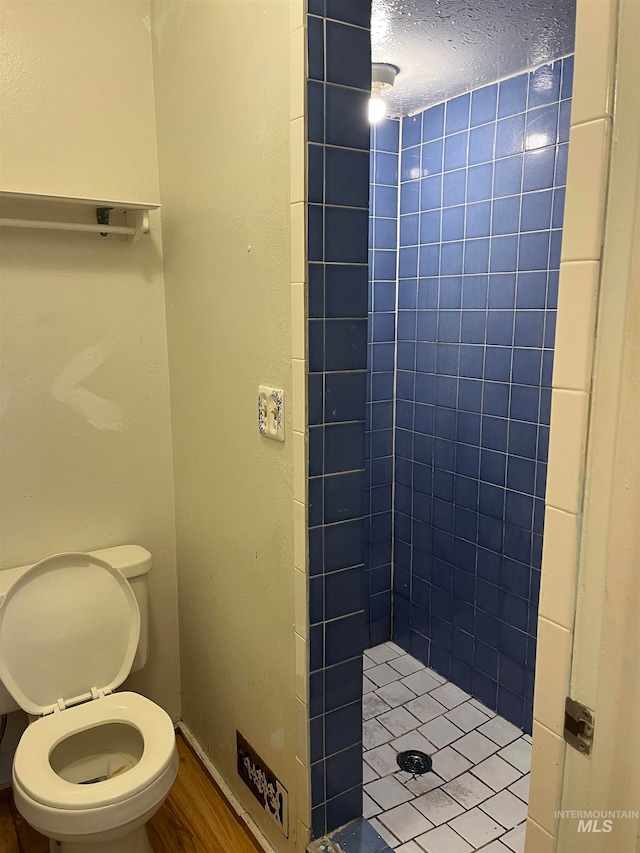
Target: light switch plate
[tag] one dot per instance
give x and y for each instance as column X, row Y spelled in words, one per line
column 271, row 412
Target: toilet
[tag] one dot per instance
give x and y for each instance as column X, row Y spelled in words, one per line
column 94, row 765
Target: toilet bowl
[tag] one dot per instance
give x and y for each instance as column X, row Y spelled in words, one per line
column 94, row 765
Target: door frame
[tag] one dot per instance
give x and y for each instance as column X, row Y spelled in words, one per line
column 606, row 655
column 588, row 639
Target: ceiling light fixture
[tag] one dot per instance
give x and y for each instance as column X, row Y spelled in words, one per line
column 383, row 76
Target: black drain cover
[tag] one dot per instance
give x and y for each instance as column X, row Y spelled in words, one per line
column 414, row 761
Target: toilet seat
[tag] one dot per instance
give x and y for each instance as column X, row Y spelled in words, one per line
column 59, row 650
column 34, row 774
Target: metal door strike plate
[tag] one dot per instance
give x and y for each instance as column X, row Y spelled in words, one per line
column 579, row 723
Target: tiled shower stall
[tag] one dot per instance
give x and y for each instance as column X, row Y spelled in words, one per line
column 429, row 385
column 481, row 183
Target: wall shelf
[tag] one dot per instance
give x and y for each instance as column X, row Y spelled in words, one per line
column 136, row 214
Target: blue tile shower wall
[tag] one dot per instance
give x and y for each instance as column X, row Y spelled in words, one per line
column 383, row 254
column 339, row 79
column 481, row 207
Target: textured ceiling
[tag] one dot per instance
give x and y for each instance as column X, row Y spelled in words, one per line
column 446, row 47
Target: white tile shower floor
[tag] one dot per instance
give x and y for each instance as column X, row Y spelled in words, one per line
column 476, row 796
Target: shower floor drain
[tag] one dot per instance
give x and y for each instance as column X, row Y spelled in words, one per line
column 414, row 761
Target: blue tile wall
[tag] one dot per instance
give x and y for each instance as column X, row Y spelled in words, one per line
column 338, row 85
column 381, row 364
column 482, row 186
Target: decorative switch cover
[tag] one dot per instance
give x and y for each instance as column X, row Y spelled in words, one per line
column 271, row 412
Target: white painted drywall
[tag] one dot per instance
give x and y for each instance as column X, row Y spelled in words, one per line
column 85, row 436
column 222, row 103
column 77, row 119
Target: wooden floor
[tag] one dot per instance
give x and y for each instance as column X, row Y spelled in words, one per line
column 195, row 818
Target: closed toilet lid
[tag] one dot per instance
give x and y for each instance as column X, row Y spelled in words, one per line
column 69, row 625
column 33, row 772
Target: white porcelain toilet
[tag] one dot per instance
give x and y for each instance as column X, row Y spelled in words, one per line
column 93, row 766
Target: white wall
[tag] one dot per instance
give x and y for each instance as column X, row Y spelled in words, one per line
column 75, row 85
column 85, row 441
column 86, row 454
column 222, row 101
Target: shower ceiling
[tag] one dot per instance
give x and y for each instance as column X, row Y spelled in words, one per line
column 446, row 47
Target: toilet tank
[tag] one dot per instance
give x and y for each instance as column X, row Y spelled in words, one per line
column 135, row 563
